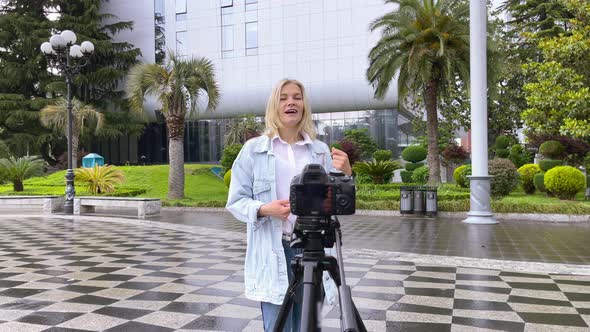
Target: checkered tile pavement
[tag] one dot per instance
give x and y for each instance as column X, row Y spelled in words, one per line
column 61, row 275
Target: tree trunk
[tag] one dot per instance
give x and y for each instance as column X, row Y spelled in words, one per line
column 175, row 125
column 430, row 101
column 17, row 185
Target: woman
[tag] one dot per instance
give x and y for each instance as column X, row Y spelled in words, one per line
column 259, row 192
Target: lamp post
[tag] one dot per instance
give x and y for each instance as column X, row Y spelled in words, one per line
column 62, row 53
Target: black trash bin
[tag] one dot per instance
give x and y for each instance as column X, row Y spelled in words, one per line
column 419, row 200
column 431, row 201
column 406, row 200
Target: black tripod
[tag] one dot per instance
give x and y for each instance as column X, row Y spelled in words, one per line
column 314, row 234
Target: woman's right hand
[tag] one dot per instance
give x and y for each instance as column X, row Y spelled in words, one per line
column 279, row 209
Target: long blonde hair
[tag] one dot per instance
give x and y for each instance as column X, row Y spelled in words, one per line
column 272, row 118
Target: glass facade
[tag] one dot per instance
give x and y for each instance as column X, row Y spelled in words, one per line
column 159, row 29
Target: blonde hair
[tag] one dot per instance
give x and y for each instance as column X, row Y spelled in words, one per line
column 272, row 117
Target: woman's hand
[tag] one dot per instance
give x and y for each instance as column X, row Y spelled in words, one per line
column 340, row 161
column 279, row 209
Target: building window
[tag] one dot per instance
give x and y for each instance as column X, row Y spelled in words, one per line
column 181, row 10
column 227, row 28
column 252, row 37
column 180, row 6
column 181, row 43
column 160, row 35
column 251, row 5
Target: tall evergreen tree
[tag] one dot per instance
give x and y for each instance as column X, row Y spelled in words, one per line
column 23, row 74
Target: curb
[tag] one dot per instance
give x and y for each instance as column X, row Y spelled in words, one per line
column 553, row 217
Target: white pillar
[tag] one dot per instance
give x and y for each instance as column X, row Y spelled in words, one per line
column 480, row 211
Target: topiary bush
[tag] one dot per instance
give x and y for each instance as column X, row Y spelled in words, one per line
column 227, row 178
column 502, row 153
column 552, row 149
column 420, row 175
column 229, row 154
column 527, row 173
column 406, row 176
column 564, row 181
column 382, row 155
column 414, row 153
column 547, row 164
column 412, row 166
column 504, row 177
column 460, row 175
column 519, row 155
column 502, row 142
column 539, row 182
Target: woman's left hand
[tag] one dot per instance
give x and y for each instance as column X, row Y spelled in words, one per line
column 340, row 161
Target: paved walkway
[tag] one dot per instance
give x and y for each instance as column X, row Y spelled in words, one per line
column 184, row 272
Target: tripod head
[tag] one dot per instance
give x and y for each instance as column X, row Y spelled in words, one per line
column 314, row 234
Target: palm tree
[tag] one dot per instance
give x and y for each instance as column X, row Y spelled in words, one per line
column 17, row 170
column 239, row 130
column 83, row 115
column 426, row 44
column 177, row 84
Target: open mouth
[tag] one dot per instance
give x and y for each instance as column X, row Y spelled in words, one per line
column 291, row 111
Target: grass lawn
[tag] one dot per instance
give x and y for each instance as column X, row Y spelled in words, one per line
column 203, row 188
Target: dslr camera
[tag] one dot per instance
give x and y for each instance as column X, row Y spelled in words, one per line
column 318, row 194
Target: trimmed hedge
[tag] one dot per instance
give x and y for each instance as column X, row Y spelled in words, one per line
column 414, row 153
column 547, row 164
column 420, row 174
column 504, row 177
column 382, row 155
column 551, row 149
column 406, row 176
column 564, row 181
column 460, row 175
column 539, row 182
column 227, row 178
column 413, row 166
column 527, row 173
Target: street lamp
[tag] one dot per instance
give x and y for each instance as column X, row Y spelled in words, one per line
column 62, row 53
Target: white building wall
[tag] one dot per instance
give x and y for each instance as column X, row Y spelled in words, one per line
column 322, row 43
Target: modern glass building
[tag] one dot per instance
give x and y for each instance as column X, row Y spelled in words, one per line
column 253, row 44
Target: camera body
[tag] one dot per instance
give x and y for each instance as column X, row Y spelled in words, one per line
column 315, row 193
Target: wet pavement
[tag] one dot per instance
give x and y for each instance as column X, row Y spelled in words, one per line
column 509, row 240
column 184, row 272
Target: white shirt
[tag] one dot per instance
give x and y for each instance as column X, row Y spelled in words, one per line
column 290, row 160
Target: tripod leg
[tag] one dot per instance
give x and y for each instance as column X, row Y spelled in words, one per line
column 312, row 283
column 286, row 305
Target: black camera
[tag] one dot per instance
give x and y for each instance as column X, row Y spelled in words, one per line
column 315, row 193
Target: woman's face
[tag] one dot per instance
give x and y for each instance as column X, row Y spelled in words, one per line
column 291, row 105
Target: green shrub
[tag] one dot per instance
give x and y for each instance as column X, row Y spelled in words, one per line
column 414, row 153
column 227, row 178
column 413, row 166
column 539, row 182
column 527, row 173
column 420, row 175
column 363, row 140
column 363, row 179
column 382, row 155
column 504, row 177
column 586, row 163
column 502, row 153
column 378, row 170
column 547, row 164
column 519, row 155
column 406, row 176
column 100, row 179
column 16, row 170
column 460, row 175
column 502, row 142
column 228, row 156
column 564, row 181
column 551, row 149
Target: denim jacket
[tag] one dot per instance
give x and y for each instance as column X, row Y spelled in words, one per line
column 252, row 185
